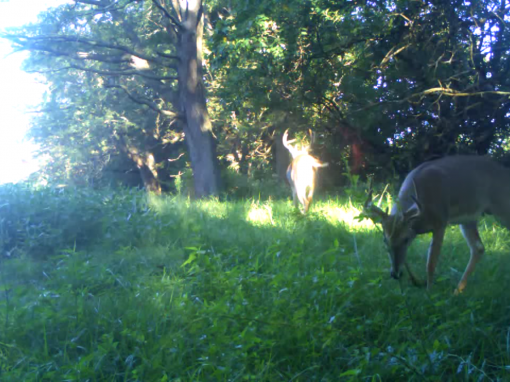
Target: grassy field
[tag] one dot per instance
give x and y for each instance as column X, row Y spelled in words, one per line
column 116, row 286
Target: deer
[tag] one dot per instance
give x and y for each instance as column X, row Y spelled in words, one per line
column 301, row 173
column 452, row 190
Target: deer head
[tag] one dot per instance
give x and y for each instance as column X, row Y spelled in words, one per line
column 398, row 230
column 294, row 150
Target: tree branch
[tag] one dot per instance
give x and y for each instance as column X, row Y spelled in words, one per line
column 51, row 109
column 28, row 42
column 168, row 15
column 117, row 59
column 443, row 91
column 455, row 93
column 168, row 56
column 392, row 53
column 167, row 93
column 149, row 104
column 99, row 3
column 107, row 72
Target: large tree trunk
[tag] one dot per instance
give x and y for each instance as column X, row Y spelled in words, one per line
column 145, row 163
column 199, row 139
column 282, row 158
column 150, row 182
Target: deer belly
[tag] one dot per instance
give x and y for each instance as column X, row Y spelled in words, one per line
column 462, row 218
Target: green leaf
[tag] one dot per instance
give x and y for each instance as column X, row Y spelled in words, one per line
column 191, row 258
column 351, row 372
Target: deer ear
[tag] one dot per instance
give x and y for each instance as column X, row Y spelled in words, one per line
column 416, row 201
column 415, row 210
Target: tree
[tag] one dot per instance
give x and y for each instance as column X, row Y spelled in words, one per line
column 148, row 51
column 384, row 84
column 387, row 84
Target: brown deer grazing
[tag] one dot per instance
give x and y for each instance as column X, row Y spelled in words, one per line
column 451, row 190
column 301, row 173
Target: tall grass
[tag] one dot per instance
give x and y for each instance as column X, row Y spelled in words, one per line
column 117, row 286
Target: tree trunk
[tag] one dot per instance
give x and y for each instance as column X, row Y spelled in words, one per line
column 150, row 182
column 198, row 135
column 281, row 157
column 243, row 161
column 145, row 163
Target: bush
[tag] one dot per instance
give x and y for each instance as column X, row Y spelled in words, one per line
column 41, row 221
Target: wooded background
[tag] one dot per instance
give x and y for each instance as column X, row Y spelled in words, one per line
column 194, row 96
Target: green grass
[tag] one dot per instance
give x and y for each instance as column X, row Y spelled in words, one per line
column 115, row 286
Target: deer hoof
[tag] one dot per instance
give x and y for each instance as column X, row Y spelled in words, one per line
column 460, row 288
column 419, row 283
column 458, row 291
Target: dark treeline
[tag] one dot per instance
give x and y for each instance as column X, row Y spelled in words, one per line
column 149, row 93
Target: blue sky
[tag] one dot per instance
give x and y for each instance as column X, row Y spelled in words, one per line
column 19, row 92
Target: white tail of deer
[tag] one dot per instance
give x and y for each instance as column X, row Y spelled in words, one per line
column 451, row 190
column 301, row 173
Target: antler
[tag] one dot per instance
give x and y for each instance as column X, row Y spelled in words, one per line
column 371, row 210
column 287, row 143
column 312, row 136
column 369, row 198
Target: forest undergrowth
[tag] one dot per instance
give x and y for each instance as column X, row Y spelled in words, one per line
column 119, row 286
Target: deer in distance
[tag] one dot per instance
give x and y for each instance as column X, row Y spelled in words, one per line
column 301, row 173
column 453, row 190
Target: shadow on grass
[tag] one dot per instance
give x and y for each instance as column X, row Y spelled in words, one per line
column 250, row 290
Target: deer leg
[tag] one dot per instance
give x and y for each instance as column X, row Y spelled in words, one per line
column 416, row 282
column 308, row 203
column 310, row 194
column 307, row 199
column 470, row 233
column 433, row 255
column 294, row 197
column 301, row 197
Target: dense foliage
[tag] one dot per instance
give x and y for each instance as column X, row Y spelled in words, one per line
column 395, row 82
column 125, row 90
column 383, row 84
column 104, row 284
column 161, row 289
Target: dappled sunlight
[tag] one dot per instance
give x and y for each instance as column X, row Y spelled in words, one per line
column 260, row 214
column 264, row 213
column 161, row 204
column 347, row 215
column 172, row 204
column 226, row 262
column 213, row 207
column 494, row 236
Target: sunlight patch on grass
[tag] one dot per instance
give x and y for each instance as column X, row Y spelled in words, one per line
column 260, row 214
column 173, row 204
column 346, row 214
column 213, row 207
column 163, row 204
